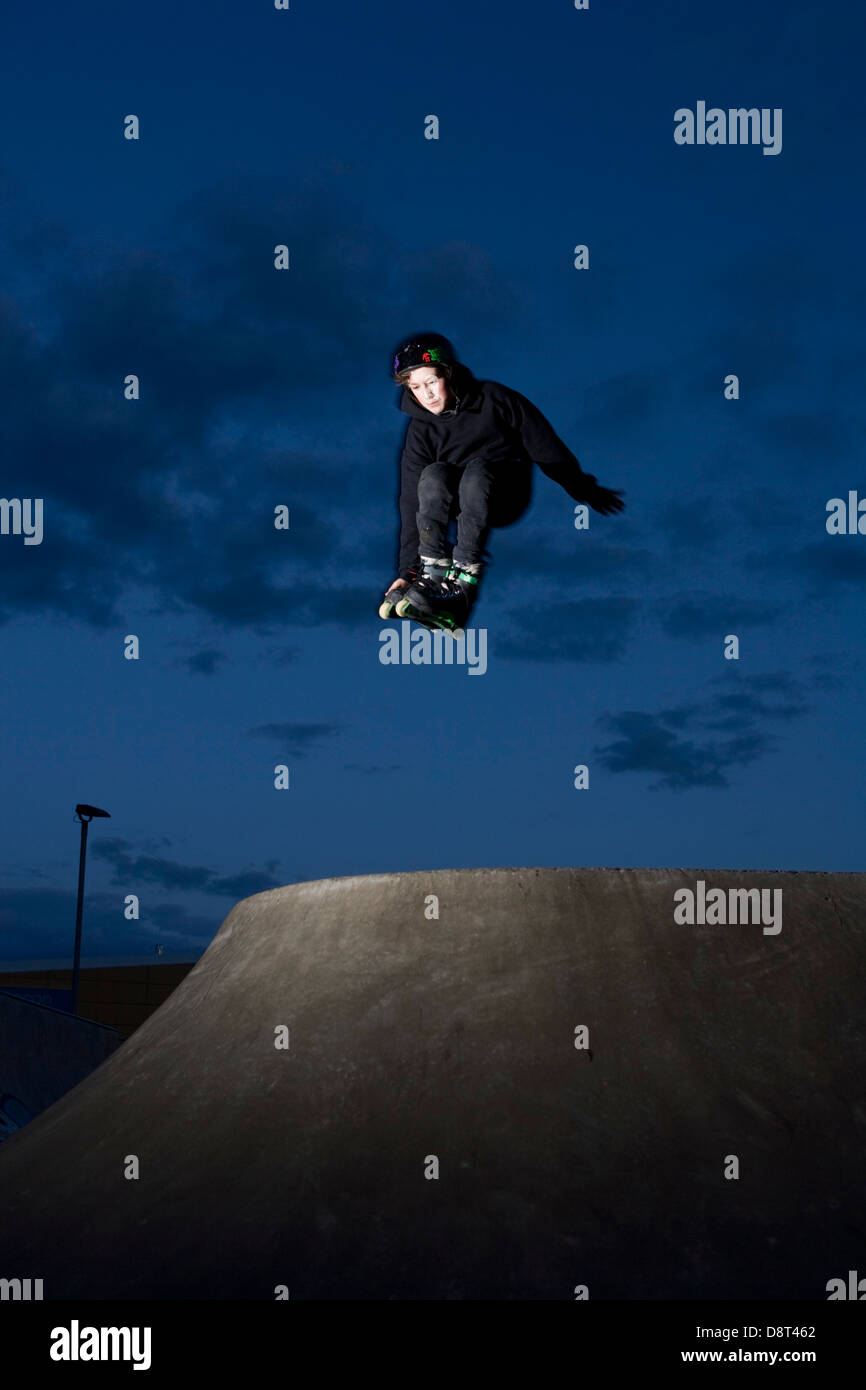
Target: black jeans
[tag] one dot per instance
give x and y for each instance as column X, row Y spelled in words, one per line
column 471, row 483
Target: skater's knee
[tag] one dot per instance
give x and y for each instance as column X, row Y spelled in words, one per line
column 475, row 491
column 433, row 504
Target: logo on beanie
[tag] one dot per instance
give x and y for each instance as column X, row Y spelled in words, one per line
column 431, row 354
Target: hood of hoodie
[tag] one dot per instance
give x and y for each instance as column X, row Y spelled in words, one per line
column 463, row 386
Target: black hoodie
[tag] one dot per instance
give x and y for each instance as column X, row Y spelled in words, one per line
column 484, row 420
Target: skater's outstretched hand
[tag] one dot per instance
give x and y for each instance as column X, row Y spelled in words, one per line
column 606, row 500
column 397, row 584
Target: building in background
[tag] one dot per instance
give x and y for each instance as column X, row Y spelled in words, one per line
column 121, row 996
column 45, row 1049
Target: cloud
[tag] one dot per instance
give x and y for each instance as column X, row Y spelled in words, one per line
column 696, row 523
column 826, row 564
column 205, row 662
column 816, row 436
column 567, row 630
column 569, row 557
column 298, row 738
column 39, row 924
column 834, row 670
column 683, row 744
column 372, row 769
column 837, row 562
column 646, row 745
column 245, row 403
column 706, row 615
column 621, row 404
column 131, row 870
column 247, row 882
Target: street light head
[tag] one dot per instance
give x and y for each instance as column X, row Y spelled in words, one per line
column 89, row 812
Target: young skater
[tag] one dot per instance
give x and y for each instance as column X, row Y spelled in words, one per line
column 464, row 436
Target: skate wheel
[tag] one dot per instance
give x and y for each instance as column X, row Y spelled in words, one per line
column 401, row 607
column 385, row 609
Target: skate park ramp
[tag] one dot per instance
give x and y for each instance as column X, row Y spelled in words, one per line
column 436, row 1128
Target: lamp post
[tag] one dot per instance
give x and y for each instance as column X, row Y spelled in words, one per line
column 85, row 815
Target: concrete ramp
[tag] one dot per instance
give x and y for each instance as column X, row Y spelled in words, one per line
column 432, row 1131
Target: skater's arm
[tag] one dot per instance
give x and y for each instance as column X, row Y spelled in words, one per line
column 414, row 458
column 544, row 446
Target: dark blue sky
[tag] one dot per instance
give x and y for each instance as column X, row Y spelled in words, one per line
column 258, row 647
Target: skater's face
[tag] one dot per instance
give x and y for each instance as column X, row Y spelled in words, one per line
column 430, row 390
